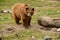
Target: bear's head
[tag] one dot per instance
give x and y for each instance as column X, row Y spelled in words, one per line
column 29, row 11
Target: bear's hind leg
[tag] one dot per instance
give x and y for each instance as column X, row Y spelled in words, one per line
column 16, row 19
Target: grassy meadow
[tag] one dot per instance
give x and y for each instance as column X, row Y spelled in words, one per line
column 42, row 8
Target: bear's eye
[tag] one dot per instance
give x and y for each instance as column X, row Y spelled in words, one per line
column 32, row 9
column 27, row 9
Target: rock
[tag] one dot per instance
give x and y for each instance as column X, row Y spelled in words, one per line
column 47, row 38
column 45, row 21
column 10, row 30
column 57, row 22
column 49, row 22
column 5, row 11
column 54, row 29
column 0, row 37
column 33, row 38
column 58, row 30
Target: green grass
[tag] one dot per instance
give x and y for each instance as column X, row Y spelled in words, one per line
column 34, row 3
column 23, row 35
column 42, row 8
column 6, row 18
column 40, row 11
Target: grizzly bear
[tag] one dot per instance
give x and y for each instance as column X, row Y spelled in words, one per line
column 23, row 12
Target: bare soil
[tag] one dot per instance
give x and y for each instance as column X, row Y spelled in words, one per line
column 11, row 29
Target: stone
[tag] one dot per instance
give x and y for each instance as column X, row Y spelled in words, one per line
column 33, row 38
column 0, row 37
column 54, row 29
column 47, row 38
column 49, row 22
column 58, row 30
column 45, row 21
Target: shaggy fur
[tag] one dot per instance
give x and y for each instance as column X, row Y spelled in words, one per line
column 21, row 11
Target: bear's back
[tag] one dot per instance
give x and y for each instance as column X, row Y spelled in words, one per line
column 18, row 7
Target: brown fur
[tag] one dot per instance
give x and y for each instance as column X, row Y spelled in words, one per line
column 20, row 11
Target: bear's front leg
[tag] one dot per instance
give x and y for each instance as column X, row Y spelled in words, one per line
column 25, row 23
column 29, row 20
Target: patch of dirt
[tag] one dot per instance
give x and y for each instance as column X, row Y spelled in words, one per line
column 11, row 29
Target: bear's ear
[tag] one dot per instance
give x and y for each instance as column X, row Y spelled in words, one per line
column 27, row 9
column 32, row 9
column 26, row 5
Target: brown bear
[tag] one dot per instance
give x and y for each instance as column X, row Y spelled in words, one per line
column 23, row 12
